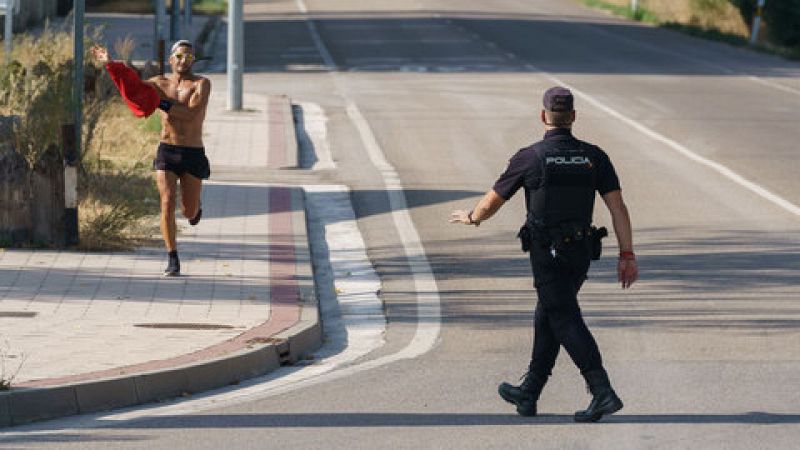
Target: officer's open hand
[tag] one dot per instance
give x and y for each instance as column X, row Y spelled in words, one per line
column 460, row 216
column 627, row 272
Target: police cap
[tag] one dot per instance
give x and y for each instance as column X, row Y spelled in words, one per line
column 558, row 99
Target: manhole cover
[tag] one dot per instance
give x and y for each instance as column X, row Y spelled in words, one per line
column 184, row 326
column 18, row 314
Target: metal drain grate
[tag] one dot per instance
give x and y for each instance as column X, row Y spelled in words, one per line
column 184, row 326
column 18, row 314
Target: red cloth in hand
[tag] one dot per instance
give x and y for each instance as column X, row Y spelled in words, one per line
column 142, row 98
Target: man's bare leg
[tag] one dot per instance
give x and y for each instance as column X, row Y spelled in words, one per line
column 191, row 191
column 167, row 187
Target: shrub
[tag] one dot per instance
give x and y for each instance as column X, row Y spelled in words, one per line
column 783, row 19
column 747, row 8
column 114, row 175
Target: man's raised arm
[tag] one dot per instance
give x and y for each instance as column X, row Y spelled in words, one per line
column 141, row 97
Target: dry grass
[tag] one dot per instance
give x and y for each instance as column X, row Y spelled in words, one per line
column 711, row 14
column 146, row 6
column 118, row 200
column 36, row 86
column 124, row 48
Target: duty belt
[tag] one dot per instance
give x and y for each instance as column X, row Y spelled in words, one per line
column 564, row 234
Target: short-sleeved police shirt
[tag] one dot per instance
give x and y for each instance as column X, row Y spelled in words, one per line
column 527, row 161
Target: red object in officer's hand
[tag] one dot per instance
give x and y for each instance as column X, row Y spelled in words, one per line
column 141, row 98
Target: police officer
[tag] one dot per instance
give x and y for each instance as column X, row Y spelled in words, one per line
column 560, row 175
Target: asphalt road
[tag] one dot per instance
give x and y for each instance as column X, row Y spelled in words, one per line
column 704, row 350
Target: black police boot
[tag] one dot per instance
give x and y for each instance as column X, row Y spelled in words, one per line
column 525, row 395
column 174, row 266
column 604, row 399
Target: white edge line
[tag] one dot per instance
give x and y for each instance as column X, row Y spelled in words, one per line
column 719, row 168
column 315, row 125
column 428, row 300
column 354, row 320
column 720, row 67
column 312, row 27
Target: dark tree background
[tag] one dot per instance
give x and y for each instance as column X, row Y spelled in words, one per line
column 781, row 16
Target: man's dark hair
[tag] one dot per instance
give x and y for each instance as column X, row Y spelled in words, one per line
column 559, row 119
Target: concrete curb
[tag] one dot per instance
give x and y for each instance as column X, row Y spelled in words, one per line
column 280, row 116
column 25, row 405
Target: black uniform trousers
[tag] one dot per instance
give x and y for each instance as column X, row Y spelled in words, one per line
column 557, row 319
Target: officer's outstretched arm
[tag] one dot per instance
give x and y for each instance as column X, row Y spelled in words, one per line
column 485, row 209
column 627, row 269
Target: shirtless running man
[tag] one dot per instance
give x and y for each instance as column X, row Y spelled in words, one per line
column 181, row 156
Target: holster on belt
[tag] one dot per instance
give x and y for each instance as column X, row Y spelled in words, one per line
column 525, row 238
column 564, row 234
column 596, row 236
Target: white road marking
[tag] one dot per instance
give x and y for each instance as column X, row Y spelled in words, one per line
column 312, row 28
column 410, row 40
column 334, row 366
column 692, row 59
column 313, row 140
column 353, row 319
column 428, row 302
column 719, row 168
column 429, row 314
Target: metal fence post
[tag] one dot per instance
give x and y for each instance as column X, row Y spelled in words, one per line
column 757, row 22
column 158, row 24
column 235, row 54
column 187, row 17
column 162, row 51
column 174, row 21
column 68, row 144
column 74, row 145
column 77, row 90
column 9, row 28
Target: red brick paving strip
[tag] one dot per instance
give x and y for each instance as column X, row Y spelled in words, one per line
column 284, row 296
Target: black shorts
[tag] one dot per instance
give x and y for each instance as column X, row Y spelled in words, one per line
column 179, row 160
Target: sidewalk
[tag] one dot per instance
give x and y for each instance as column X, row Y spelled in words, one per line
column 96, row 331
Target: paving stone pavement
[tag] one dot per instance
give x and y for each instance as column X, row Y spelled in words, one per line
column 73, row 312
column 67, row 313
column 89, row 331
column 261, row 136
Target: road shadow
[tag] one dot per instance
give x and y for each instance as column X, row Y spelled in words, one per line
column 475, row 41
column 63, row 438
column 722, row 280
column 413, row 420
column 367, row 202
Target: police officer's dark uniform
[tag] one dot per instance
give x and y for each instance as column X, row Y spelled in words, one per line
column 560, row 175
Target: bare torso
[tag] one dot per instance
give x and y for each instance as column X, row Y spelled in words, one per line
column 189, row 92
